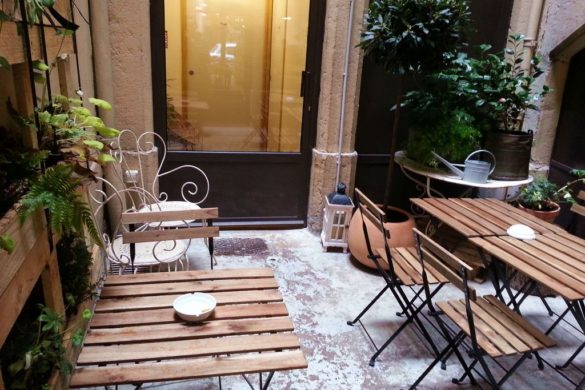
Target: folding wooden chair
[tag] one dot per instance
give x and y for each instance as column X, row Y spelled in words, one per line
column 494, row 329
column 400, row 269
column 578, row 210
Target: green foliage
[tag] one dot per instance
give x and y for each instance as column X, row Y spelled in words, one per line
column 56, row 191
column 75, row 270
column 452, row 136
column 6, row 243
column 539, row 194
column 37, row 352
column 70, row 128
column 18, row 167
column 414, row 36
column 500, row 89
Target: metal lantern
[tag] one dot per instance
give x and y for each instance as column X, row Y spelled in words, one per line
column 336, row 217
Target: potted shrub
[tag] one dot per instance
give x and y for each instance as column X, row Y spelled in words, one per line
column 541, row 198
column 504, row 92
column 407, row 37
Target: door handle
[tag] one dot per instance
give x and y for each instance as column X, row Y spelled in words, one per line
column 305, row 78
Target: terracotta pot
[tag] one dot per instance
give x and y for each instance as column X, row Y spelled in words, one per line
column 400, row 232
column 548, row 216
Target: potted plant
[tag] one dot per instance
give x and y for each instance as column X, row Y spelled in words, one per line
column 541, row 198
column 407, row 37
column 504, row 91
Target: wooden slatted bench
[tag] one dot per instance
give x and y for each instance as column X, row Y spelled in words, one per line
column 135, row 337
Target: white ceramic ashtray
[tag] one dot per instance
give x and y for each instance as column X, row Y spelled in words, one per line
column 521, row 232
column 194, row 307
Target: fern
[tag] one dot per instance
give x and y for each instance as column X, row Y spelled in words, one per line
column 56, row 192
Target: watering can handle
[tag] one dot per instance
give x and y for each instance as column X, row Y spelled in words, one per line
column 488, row 152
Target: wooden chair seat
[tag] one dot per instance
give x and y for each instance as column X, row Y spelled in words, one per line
column 407, row 267
column 500, row 331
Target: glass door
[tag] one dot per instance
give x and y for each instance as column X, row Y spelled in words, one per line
column 238, row 95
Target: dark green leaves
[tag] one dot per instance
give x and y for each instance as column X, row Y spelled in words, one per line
column 413, row 36
column 7, row 243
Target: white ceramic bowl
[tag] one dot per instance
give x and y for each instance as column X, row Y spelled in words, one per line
column 521, row 232
column 194, row 307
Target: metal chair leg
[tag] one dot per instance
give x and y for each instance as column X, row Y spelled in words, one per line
column 369, row 305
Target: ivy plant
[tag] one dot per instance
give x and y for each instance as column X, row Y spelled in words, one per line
column 542, row 194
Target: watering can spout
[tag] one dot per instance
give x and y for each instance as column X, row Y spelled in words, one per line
column 452, row 167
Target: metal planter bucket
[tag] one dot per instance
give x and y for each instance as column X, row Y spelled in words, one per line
column 512, row 151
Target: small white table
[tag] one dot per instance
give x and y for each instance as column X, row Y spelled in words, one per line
column 410, row 167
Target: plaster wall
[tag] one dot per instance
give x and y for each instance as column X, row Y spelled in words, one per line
column 559, row 19
column 325, row 153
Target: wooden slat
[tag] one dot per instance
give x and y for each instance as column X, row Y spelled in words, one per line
column 566, row 243
column 539, row 249
column 162, row 301
column 445, row 217
column 188, row 287
column 509, row 330
column 167, row 315
column 164, row 216
column 461, row 321
column 216, row 274
column 486, row 217
column 513, row 247
column 448, row 273
column 186, row 348
column 170, row 234
column 180, row 331
column 522, row 217
column 541, row 337
column 578, row 209
column 480, row 225
column 444, row 255
column 188, row 369
column 525, row 264
column 411, row 256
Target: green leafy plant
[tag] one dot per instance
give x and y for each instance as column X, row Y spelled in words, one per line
column 452, row 136
column 412, row 37
column 542, row 194
column 75, row 270
column 38, row 351
column 501, row 89
column 56, row 191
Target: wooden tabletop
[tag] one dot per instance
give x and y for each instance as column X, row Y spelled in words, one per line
column 481, row 217
column 555, row 260
column 134, row 322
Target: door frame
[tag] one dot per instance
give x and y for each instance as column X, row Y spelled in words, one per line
column 311, row 85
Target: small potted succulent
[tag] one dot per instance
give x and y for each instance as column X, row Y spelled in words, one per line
column 541, row 198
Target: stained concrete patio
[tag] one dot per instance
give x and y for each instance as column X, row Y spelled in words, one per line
column 324, row 290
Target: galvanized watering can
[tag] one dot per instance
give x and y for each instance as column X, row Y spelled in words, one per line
column 475, row 171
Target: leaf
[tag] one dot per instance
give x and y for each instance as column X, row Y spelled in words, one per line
column 40, row 65
column 82, row 111
column 39, row 78
column 7, row 243
column 94, row 144
column 107, row 132
column 59, row 119
column 105, row 158
column 77, row 338
column 93, row 121
column 4, row 63
column 100, row 103
column 87, row 314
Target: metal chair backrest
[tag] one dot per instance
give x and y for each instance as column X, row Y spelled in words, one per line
column 134, row 169
column 449, row 265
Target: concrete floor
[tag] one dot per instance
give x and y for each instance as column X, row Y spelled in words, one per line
column 324, row 290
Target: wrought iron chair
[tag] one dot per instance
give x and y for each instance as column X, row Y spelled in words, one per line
column 493, row 328
column 122, row 255
column 134, row 172
column 400, row 269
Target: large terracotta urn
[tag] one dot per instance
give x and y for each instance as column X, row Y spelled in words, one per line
column 400, row 228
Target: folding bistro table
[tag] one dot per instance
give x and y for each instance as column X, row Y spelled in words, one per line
column 135, row 336
column 555, row 258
